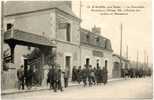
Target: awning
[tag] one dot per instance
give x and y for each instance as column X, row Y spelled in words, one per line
column 26, row 38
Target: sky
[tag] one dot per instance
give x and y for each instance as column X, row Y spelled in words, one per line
column 137, row 26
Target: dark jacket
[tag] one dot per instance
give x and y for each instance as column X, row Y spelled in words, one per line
column 51, row 74
column 20, row 74
column 59, row 74
column 66, row 74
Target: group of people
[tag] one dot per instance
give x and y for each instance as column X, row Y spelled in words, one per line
column 54, row 78
column 135, row 72
column 27, row 76
column 30, row 76
column 89, row 75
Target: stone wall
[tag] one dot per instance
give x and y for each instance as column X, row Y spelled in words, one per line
column 9, row 78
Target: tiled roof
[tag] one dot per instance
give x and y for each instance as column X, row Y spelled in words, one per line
column 95, row 40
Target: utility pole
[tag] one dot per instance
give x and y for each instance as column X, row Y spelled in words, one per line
column 80, row 8
column 147, row 61
column 127, row 57
column 127, row 52
column 137, row 60
column 121, row 47
column 80, row 31
column 144, row 58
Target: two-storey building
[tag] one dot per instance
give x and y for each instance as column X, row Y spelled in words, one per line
column 39, row 33
column 96, row 50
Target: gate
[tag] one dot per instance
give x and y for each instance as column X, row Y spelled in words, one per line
column 36, row 66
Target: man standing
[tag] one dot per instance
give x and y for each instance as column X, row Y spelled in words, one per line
column 90, row 75
column 51, row 77
column 74, row 74
column 105, row 75
column 55, row 71
column 79, row 76
column 84, row 75
column 59, row 84
column 98, row 75
column 29, row 76
column 66, row 77
column 20, row 76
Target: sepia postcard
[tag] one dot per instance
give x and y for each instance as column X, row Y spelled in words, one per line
column 76, row 50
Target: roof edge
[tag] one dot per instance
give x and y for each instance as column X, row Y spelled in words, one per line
column 40, row 10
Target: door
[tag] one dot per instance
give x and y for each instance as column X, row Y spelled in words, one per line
column 88, row 61
column 97, row 63
column 106, row 63
column 68, row 63
column 116, row 70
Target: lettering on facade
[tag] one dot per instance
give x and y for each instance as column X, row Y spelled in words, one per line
column 97, row 53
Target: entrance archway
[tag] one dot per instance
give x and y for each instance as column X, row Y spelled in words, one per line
column 44, row 45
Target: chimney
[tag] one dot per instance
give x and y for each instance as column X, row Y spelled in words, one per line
column 96, row 30
column 69, row 4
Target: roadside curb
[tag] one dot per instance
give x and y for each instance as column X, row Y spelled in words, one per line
column 46, row 88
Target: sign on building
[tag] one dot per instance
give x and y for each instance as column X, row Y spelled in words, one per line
column 98, row 53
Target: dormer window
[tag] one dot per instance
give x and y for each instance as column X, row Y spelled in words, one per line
column 97, row 39
column 87, row 37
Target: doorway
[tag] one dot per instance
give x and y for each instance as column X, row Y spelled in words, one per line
column 106, row 63
column 97, row 63
column 116, row 70
column 68, row 63
column 87, row 61
column 36, row 68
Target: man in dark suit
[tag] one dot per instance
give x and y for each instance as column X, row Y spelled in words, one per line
column 59, row 84
column 20, row 76
column 51, row 77
column 66, row 77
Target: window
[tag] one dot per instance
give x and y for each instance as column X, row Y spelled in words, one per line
column 68, row 32
column 9, row 26
column 66, row 29
column 97, row 39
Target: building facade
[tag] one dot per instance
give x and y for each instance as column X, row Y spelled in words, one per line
column 116, row 71
column 96, row 50
column 41, row 33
